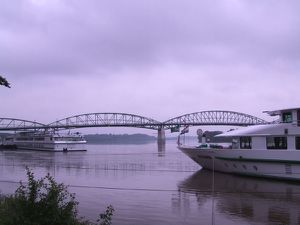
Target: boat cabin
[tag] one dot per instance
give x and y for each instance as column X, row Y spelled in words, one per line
column 281, row 134
column 287, row 115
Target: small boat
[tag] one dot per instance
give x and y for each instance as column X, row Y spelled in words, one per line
column 46, row 141
column 267, row 150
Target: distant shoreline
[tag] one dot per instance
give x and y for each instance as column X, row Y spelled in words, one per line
column 119, row 138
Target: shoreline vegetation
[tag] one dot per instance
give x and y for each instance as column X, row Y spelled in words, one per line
column 144, row 138
column 119, row 138
column 126, row 138
column 45, row 202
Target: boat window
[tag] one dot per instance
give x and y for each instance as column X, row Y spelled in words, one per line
column 276, row 143
column 235, row 143
column 287, row 117
column 245, row 142
column 203, row 146
column 62, row 138
column 297, row 139
column 298, row 117
column 24, row 139
column 39, row 139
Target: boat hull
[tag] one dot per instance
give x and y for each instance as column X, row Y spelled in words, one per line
column 278, row 164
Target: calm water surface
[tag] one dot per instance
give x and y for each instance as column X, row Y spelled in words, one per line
column 148, row 184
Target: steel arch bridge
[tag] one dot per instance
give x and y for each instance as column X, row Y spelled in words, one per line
column 228, row 118
column 216, row 117
column 19, row 124
column 106, row 120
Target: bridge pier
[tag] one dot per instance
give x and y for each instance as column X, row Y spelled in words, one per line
column 161, row 137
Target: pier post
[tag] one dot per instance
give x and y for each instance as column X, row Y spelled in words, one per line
column 161, row 137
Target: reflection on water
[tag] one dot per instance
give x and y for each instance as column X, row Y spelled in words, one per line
column 155, row 184
column 251, row 199
column 161, row 148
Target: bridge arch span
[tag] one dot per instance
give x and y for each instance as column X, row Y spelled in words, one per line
column 18, row 124
column 106, row 120
column 215, row 117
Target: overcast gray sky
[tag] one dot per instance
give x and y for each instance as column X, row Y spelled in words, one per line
column 156, row 58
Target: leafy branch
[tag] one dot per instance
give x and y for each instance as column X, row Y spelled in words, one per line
column 4, row 82
column 44, row 202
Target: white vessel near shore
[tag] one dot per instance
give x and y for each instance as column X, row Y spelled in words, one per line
column 46, row 141
column 267, row 150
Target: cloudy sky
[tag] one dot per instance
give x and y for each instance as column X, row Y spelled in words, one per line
column 155, row 58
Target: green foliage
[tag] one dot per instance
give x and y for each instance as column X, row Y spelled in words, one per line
column 4, row 82
column 105, row 218
column 44, row 202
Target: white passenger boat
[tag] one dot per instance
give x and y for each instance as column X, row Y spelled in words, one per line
column 267, row 150
column 46, row 141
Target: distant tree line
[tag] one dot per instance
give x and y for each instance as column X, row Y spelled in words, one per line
column 119, row 138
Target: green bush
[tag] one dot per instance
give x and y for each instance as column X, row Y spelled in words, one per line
column 44, row 202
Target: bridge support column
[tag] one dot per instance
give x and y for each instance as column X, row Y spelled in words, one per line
column 161, row 137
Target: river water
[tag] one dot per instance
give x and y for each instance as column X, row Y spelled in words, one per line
column 150, row 184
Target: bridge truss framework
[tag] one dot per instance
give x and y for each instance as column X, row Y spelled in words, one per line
column 19, row 124
column 217, row 117
column 106, row 120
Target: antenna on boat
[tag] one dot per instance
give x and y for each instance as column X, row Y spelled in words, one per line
column 184, row 131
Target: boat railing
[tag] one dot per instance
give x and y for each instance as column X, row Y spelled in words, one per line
column 278, row 121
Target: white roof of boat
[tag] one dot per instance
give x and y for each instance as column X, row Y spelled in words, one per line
column 255, row 130
column 279, row 111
